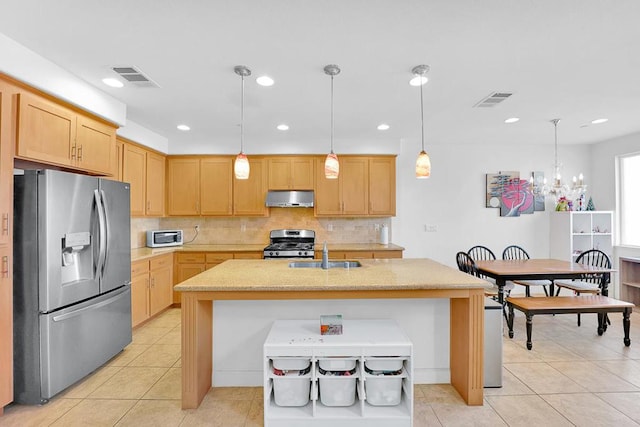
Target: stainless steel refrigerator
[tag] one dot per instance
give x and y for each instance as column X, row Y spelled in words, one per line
column 72, row 279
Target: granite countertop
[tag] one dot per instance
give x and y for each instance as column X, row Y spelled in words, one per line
column 143, row 253
column 378, row 274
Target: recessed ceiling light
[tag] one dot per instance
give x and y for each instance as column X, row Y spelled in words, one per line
column 183, row 127
column 598, row 121
column 512, row 120
column 418, row 80
column 282, row 127
column 109, row 81
column 383, row 126
column 264, row 81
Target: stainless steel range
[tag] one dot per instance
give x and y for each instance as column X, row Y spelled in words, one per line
column 290, row 244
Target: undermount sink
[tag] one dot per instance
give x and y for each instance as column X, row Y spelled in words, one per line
column 331, row 264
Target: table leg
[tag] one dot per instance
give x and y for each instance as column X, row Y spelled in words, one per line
column 510, row 321
column 500, row 283
column 529, row 328
column 626, row 325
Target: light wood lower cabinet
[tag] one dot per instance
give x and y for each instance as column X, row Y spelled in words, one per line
column 189, row 264
column 361, row 254
column 151, row 287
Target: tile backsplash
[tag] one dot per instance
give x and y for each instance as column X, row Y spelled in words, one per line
column 248, row 230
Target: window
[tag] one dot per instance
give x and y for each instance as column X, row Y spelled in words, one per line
column 629, row 202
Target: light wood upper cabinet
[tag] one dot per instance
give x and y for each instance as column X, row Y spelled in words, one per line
column 291, row 173
column 145, row 171
column 382, row 186
column 46, row 131
column 216, row 186
column 249, row 195
column 51, row 133
column 183, row 186
column 199, row 186
column 365, row 187
column 117, row 176
column 95, row 146
column 354, row 179
column 155, row 178
column 134, row 172
column 328, row 197
column 348, row 194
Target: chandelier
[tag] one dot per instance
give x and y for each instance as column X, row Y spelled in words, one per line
column 558, row 190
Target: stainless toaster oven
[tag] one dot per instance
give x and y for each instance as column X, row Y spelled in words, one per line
column 161, row 238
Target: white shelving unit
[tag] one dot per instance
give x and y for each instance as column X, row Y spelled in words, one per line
column 362, row 340
column 571, row 233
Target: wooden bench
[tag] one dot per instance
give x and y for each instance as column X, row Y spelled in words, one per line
column 574, row 304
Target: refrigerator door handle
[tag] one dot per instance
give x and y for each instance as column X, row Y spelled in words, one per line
column 105, row 208
column 102, row 238
column 79, row 312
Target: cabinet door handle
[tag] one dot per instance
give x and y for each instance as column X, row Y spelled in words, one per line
column 5, row 266
column 73, row 151
column 148, row 205
column 5, row 224
column 80, row 153
column 153, row 282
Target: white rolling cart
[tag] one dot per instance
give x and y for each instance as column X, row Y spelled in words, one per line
column 365, row 349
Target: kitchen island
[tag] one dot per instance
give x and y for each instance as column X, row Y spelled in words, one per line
column 247, row 280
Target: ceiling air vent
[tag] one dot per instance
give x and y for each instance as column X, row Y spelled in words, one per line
column 135, row 77
column 493, row 99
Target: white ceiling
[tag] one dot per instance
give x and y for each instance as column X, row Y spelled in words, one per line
column 577, row 60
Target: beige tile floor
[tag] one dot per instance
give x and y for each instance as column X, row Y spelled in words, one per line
column 570, row 377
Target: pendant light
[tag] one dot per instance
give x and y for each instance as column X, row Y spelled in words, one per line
column 241, row 166
column 423, row 163
column 331, row 163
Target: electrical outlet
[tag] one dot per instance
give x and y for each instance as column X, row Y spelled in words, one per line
column 329, row 227
column 376, row 227
column 430, row 228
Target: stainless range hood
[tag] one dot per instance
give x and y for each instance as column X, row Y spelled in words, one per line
column 289, row 199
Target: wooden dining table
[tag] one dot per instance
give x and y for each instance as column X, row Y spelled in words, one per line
column 536, row 269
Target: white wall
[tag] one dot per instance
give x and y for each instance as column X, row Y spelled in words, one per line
column 604, row 189
column 453, row 198
column 28, row 67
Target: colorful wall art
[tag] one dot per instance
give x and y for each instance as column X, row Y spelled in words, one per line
column 512, row 195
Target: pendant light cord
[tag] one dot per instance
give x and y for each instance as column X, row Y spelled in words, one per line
column 422, row 112
column 555, row 145
column 332, row 114
column 242, row 118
